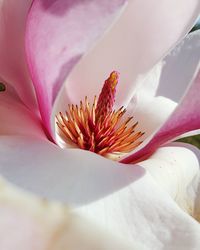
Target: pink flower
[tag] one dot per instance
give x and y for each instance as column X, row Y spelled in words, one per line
column 53, row 53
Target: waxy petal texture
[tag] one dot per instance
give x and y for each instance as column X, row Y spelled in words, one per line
column 130, row 204
column 31, row 223
column 145, row 212
column 58, row 35
column 139, row 39
column 72, row 175
column 13, row 66
column 16, row 118
column 26, row 221
column 186, row 116
column 151, row 113
column 179, row 67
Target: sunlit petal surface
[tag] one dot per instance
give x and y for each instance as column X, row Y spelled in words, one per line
column 58, row 34
column 131, row 202
column 142, row 36
column 185, row 117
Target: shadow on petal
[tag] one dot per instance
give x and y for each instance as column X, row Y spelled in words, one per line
column 74, row 176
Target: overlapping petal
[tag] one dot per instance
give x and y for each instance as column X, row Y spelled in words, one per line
column 72, row 175
column 185, row 117
column 16, row 118
column 194, row 191
column 141, row 37
column 58, row 34
column 28, row 222
column 131, row 202
column 13, row 66
column 145, row 211
column 179, row 67
column 52, row 53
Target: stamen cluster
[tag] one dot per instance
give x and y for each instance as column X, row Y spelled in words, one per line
column 97, row 127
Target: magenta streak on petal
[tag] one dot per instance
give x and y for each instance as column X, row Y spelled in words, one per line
column 185, row 118
column 58, row 34
column 13, row 67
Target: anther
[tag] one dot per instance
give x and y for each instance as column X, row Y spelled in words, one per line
column 97, row 127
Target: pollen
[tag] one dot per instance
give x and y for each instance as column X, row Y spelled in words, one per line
column 99, row 128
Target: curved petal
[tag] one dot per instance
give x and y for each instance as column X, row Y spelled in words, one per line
column 58, row 34
column 179, row 67
column 13, row 67
column 26, row 222
column 129, row 204
column 151, row 113
column 71, row 175
column 37, row 224
column 194, row 191
column 186, row 116
column 141, row 37
column 16, row 118
column 175, row 169
column 148, row 84
column 145, row 211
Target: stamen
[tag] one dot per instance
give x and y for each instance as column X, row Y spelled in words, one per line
column 97, row 127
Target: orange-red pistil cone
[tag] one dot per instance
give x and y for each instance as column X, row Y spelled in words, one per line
column 99, row 128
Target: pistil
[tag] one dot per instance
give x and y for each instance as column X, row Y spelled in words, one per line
column 98, row 127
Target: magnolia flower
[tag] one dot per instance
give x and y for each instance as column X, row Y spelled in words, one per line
column 53, row 54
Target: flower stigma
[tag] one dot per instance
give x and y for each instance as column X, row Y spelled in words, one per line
column 99, row 128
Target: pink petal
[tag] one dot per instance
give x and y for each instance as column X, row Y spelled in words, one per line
column 13, row 67
column 186, row 116
column 141, row 37
column 58, row 34
column 16, row 118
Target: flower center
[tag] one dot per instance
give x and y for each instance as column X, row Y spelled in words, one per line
column 97, row 127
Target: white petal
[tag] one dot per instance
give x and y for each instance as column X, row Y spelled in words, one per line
column 27, row 222
column 194, row 189
column 174, row 168
column 72, row 175
column 151, row 113
column 180, row 67
column 141, row 37
column 123, row 200
column 145, row 211
column 149, row 83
